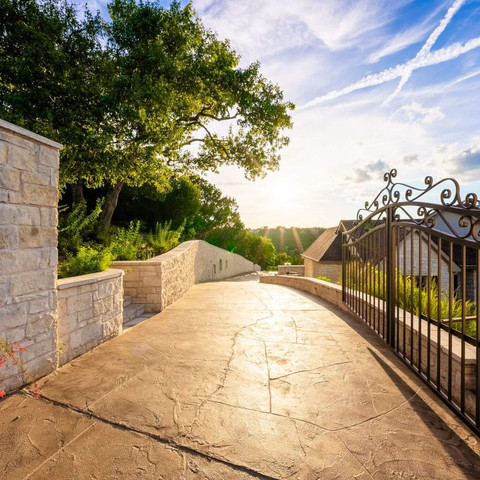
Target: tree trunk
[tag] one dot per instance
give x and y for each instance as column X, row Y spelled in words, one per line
column 77, row 192
column 111, row 200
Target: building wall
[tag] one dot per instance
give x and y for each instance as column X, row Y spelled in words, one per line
column 406, row 268
column 291, row 270
column 162, row 280
column 331, row 270
column 90, row 311
column 28, row 252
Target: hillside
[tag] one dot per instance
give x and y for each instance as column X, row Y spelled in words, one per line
column 293, row 240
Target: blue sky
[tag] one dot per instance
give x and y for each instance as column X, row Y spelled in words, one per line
column 377, row 84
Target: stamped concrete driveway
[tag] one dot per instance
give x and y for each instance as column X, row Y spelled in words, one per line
column 236, row 380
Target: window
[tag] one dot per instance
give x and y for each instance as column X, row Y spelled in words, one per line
column 220, row 265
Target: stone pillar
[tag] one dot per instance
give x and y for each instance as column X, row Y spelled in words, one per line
column 28, row 253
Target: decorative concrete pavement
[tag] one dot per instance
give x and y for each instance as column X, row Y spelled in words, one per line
column 236, row 380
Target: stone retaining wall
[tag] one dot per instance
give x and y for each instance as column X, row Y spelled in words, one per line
column 160, row 281
column 28, row 252
column 90, row 311
column 291, row 270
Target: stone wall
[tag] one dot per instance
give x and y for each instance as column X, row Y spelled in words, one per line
column 160, row 281
column 331, row 270
column 291, row 270
column 28, row 252
column 90, row 311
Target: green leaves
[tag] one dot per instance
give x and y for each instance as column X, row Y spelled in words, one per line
column 138, row 99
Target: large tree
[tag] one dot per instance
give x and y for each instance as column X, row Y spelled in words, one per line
column 136, row 99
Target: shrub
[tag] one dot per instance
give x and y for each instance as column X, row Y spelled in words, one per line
column 325, row 279
column 419, row 301
column 75, row 225
column 128, row 243
column 163, row 238
column 87, row 260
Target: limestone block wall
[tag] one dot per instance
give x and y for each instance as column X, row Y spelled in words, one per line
column 160, row 281
column 28, row 252
column 291, row 270
column 331, row 270
column 90, row 311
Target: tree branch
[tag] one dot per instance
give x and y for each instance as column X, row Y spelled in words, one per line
column 203, row 113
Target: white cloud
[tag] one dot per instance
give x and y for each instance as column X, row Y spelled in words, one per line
column 433, row 58
column 427, row 47
column 271, row 26
column 415, row 112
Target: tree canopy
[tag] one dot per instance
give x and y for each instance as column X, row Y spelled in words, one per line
column 135, row 99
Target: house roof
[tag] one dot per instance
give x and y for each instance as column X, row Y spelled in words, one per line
column 327, row 247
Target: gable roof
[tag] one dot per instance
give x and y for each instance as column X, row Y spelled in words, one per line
column 327, row 247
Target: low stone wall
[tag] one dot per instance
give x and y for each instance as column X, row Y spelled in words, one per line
column 298, row 270
column 327, row 291
column 160, row 281
column 90, row 311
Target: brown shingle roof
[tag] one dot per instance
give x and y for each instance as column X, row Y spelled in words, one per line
column 327, row 247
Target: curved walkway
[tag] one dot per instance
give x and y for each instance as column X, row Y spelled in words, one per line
column 236, row 380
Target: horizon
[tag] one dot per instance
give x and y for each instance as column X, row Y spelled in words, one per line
column 377, row 85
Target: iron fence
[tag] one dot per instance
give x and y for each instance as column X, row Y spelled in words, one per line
column 411, row 271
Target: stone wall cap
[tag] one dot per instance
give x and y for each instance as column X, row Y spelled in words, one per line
column 331, row 285
column 28, row 134
column 175, row 252
column 71, row 282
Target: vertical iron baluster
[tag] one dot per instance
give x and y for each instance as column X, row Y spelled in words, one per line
column 464, row 294
column 450, row 314
column 384, row 282
column 370, row 262
column 349, row 278
column 477, row 346
column 397, row 287
column 364, row 314
column 343, row 269
column 420, row 280
column 404, row 292
column 375, row 289
column 439, row 310
column 356, row 279
column 429, row 307
column 412, row 281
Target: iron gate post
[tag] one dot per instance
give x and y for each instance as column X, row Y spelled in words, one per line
column 344, row 280
column 390, row 273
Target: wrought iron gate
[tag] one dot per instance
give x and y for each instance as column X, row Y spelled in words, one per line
column 411, row 271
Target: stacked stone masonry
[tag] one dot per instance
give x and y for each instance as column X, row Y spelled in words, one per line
column 291, row 270
column 90, row 311
column 28, row 252
column 162, row 280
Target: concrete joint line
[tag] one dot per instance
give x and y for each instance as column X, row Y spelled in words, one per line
column 182, row 448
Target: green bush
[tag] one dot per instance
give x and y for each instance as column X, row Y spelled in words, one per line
column 325, row 279
column 75, row 226
column 164, row 238
column 128, row 243
column 87, row 260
